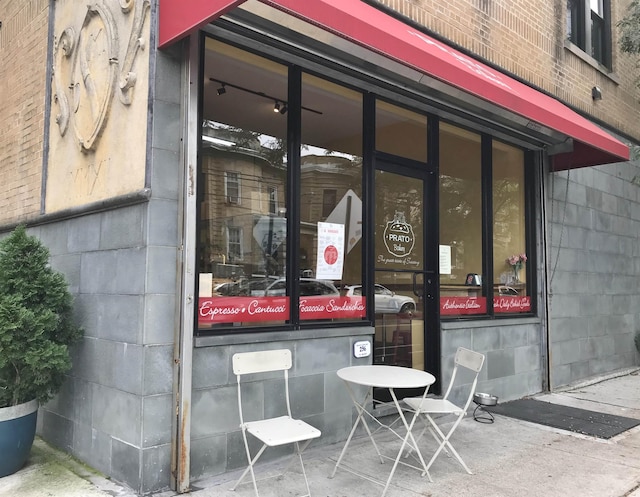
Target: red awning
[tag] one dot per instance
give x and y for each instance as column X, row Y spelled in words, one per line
column 368, row 27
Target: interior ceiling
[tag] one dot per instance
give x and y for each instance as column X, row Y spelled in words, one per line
column 267, row 83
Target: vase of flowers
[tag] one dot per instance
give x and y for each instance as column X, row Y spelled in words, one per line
column 516, row 261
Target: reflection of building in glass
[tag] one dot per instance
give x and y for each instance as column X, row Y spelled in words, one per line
column 240, row 183
column 326, row 179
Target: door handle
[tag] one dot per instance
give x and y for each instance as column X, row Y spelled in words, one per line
column 418, row 290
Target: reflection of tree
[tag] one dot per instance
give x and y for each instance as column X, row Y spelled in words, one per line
column 459, row 201
column 507, row 213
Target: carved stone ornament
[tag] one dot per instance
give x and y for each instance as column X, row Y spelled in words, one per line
column 87, row 67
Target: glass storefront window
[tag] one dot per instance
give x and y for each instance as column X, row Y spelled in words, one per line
column 242, row 183
column 401, row 132
column 264, row 263
column 331, row 196
column 509, row 233
column 460, row 222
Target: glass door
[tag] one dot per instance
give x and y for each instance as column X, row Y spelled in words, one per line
column 405, row 329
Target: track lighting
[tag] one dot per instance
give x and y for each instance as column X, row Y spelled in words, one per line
column 280, row 106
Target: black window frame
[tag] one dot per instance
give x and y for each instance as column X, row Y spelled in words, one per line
column 590, row 31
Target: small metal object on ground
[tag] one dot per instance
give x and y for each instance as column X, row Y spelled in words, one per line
column 480, row 414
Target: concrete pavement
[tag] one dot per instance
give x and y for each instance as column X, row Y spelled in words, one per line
column 509, row 458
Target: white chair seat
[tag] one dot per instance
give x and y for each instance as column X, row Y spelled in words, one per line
column 433, row 406
column 282, row 430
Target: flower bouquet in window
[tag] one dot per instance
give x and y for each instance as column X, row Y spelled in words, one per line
column 516, row 261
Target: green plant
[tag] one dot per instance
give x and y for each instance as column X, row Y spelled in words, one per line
column 36, row 327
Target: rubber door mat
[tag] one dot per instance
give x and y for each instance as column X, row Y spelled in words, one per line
column 595, row 424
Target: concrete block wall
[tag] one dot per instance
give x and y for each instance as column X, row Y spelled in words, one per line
column 317, row 396
column 594, row 266
column 114, row 412
column 513, row 366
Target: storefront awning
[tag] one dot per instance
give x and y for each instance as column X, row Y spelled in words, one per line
column 374, row 30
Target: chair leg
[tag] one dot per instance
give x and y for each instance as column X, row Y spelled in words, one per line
column 250, row 467
column 304, row 473
column 444, row 444
column 300, row 448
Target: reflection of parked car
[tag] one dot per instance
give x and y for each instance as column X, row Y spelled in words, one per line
column 228, row 288
column 386, row 300
column 308, row 286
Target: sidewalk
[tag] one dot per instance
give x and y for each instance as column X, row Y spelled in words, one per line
column 510, row 458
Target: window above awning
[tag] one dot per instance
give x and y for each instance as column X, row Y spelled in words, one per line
column 374, row 30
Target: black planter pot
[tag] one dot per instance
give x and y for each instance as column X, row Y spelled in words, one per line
column 17, row 431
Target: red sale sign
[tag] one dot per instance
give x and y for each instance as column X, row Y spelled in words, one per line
column 218, row 310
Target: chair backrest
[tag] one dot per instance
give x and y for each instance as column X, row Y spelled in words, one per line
column 467, row 359
column 262, row 361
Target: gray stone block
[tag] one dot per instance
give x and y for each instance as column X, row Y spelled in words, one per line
column 69, row 266
column 484, row 339
column 454, row 338
column 527, row 359
column 93, row 447
column 163, row 223
column 84, row 234
column 167, row 125
column 166, row 174
column 54, row 236
column 306, row 395
column 158, row 369
column 215, row 412
column 57, row 430
column 131, row 270
column 500, row 363
column 97, row 271
column 157, row 414
column 159, row 322
column 123, row 228
column 208, row 456
column 108, row 407
column 125, row 463
column 162, row 263
column 156, row 468
column 314, row 356
column 168, row 71
column 211, row 367
column 514, row 336
column 565, row 352
column 119, row 318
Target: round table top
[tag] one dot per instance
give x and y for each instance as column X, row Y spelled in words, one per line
column 386, row 376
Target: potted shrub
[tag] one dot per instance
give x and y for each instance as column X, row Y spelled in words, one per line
column 36, row 330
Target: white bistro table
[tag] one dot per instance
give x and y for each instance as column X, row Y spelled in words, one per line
column 391, row 378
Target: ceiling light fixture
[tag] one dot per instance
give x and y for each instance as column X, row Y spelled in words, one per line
column 222, row 90
column 276, row 107
column 282, row 104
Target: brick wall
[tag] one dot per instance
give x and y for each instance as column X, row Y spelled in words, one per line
column 528, row 40
column 23, row 52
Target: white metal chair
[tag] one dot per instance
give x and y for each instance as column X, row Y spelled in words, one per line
column 466, row 359
column 276, row 431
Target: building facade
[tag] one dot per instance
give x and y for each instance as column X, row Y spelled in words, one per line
column 359, row 182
